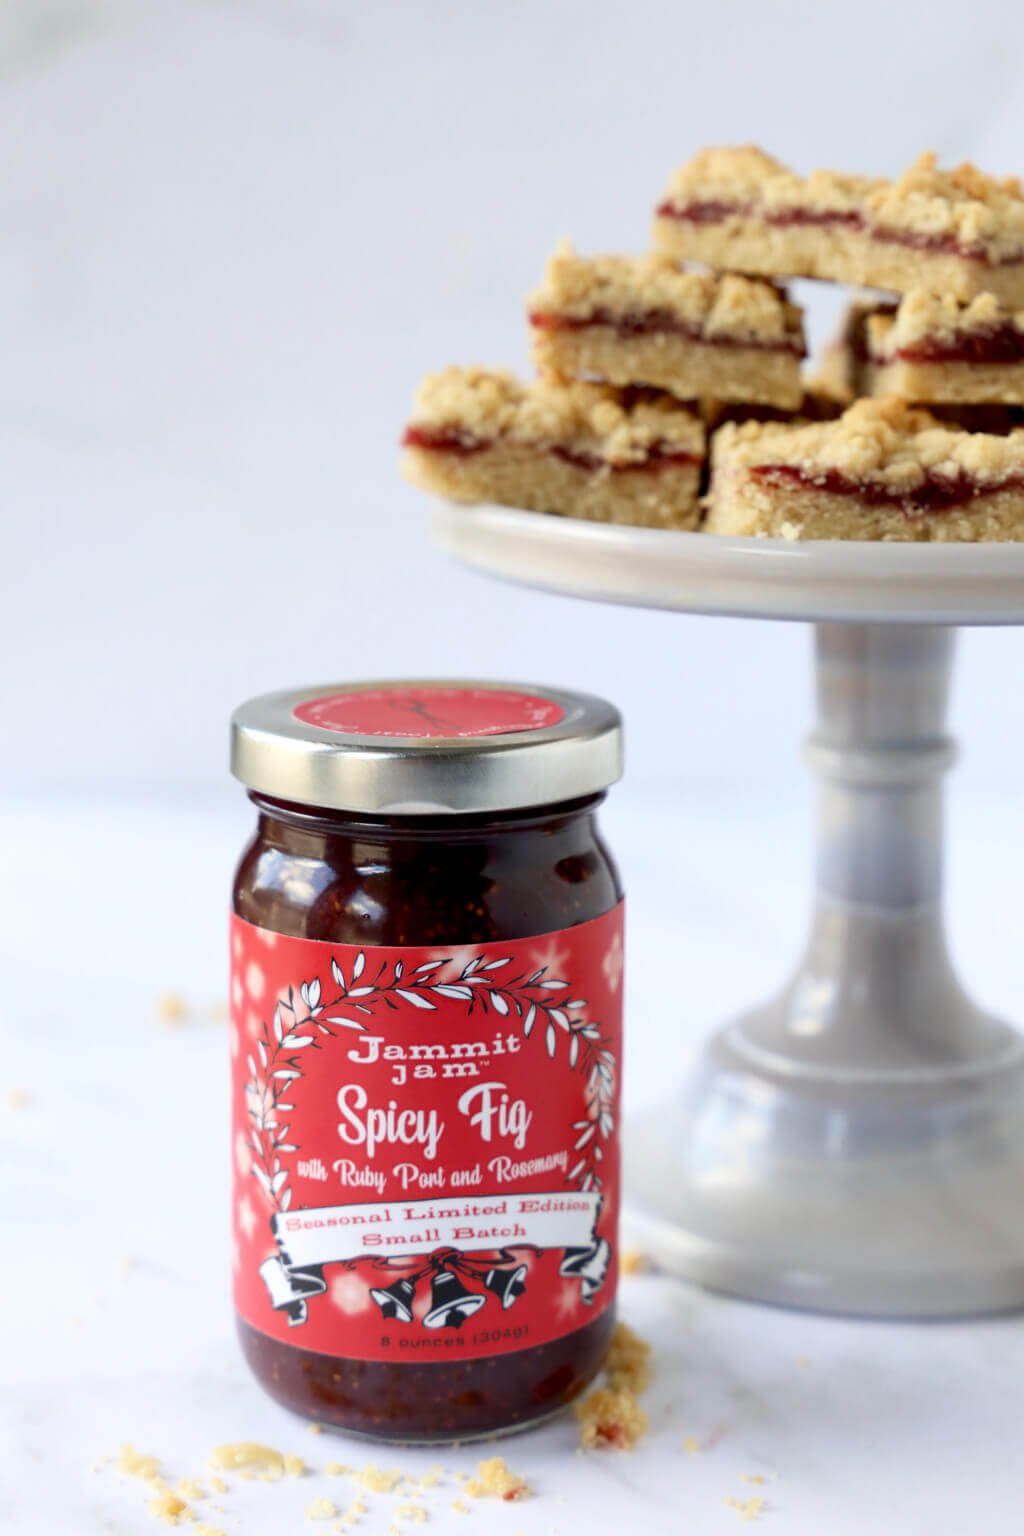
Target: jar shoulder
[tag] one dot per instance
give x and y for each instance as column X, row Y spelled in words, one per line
column 346, row 888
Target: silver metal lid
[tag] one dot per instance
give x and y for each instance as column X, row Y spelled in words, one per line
column 426, row 746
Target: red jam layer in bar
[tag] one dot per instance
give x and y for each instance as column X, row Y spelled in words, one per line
column 936, row 493
column 717, row 212
column 1000, row 344
column 658, row 456
column 653, row 322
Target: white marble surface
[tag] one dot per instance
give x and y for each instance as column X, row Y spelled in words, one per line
column 120, row 1154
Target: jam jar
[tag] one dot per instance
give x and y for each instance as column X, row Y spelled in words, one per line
column 426, row 1038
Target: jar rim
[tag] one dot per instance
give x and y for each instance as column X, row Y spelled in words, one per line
column 499, row 746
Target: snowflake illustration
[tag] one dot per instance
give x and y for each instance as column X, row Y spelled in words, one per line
column 255, row 981
column 349, row 1294
column 459, row 954
column 553, row 956
column 567, row 1302
column 247, row 1217
column 243, row 1154
column 612, row 963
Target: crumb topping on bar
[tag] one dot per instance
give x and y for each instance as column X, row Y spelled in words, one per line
column 964, row 203
column 479, row 405
column 714, row 306
column 832, row 191
column 747, row 176
column 962, row 209
column 938, row 318
column 740, row 171
column 884, row 442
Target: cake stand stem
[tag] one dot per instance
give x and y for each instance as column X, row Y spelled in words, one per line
column 856, row 1145
column 875, row 993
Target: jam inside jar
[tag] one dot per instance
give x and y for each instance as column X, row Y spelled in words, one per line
column 372, row 884
column 424, row 881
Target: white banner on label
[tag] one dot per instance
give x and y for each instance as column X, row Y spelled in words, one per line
column 334, row 1233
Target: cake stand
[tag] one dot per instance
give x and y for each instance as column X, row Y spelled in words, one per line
column 856, row 1144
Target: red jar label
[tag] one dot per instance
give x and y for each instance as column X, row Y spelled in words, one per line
column 432, row 711
column 426, row 1140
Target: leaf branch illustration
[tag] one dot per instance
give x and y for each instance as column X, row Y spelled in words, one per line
column 302, row 1017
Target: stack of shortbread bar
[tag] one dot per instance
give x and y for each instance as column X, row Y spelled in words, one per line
column 669, row 397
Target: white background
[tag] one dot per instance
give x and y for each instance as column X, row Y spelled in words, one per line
column 232, row 237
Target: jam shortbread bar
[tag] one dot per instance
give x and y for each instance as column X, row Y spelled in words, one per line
column 643, row 321
column 584, row 450
column 959, row 232
column 933, row 348
column 882, row 471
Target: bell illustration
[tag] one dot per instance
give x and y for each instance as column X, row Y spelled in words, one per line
column 507, row 1284
column 573, row 1260
column 589, row 1265
column 450, row 1302
column 290, row 1289
column 395, row 1301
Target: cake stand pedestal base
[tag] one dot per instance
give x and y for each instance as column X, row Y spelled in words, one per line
column 857, row 1145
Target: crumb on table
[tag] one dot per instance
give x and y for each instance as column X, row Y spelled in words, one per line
column 250, row 1459
column 171, row 1008
column 378, row 1479
column 134, row 1464
column 167, row 1505
column 611, row 1420
column 628, row 1364
column 496, row 1480
column 747, row 1509
column 411, row 1511
column 321, row 1509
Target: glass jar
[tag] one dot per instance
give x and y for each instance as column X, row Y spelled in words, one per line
column 426, row 1037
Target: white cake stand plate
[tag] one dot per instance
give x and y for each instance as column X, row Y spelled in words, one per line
column 856, row 1144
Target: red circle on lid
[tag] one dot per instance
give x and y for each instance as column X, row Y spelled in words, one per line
column 432, row 711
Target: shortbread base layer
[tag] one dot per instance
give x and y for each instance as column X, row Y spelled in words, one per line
column 836, row 253
column 661, row 496
column 687, row 368
column 742, row 505
column 949, row 383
